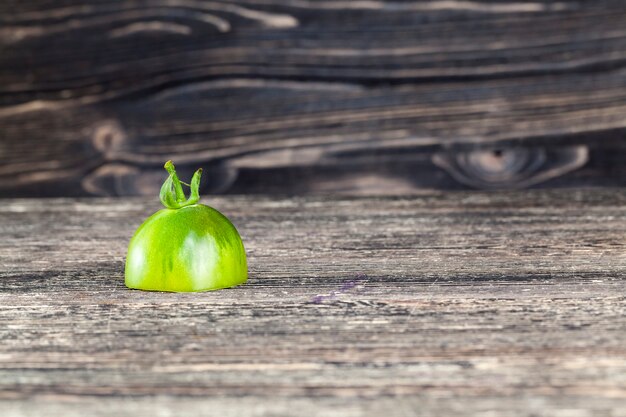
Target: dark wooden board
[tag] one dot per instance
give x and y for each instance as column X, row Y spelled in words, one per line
column 304, row 96
column 467, row 304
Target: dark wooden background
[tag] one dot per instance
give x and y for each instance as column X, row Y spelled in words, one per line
column 311, row 96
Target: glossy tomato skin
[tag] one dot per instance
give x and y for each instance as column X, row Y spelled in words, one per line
column 193, row 248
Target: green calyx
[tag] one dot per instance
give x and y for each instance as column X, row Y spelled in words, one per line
column 172, row 195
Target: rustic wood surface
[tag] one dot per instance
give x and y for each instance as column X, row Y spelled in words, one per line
column 310, row 96
column 466, row 304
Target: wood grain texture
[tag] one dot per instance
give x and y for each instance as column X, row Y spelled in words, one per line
column 95, row 96
column 465, row 304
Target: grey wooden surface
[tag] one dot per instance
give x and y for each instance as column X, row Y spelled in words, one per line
column 467, row 304
column 311, row 96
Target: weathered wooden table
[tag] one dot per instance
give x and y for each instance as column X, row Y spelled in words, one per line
column 507, row 304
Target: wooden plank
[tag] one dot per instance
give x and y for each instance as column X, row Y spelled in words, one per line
column 462, row 304
column 95, row 96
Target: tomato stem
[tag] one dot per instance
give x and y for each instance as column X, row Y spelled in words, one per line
column 178, row 188
column 175, row 199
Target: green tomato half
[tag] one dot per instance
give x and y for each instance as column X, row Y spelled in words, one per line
column 185, row 247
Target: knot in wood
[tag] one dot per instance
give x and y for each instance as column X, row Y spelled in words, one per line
column 510, row 167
